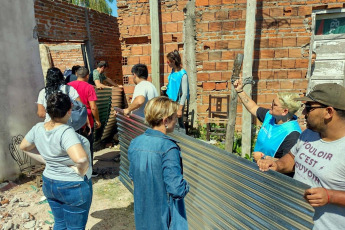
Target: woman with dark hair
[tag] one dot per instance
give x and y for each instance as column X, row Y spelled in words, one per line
column 66, row 178
column 54, row 82
column 178, row 87
column 156, row 170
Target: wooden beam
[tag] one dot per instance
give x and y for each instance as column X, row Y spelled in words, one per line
column 155, row 45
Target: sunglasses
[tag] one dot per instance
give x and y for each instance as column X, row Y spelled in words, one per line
column 308, row 108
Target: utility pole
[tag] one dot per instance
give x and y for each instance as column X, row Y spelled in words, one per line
column 155, row 45
column 247, row 75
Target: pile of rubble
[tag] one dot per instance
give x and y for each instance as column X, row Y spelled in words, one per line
column 24, row 207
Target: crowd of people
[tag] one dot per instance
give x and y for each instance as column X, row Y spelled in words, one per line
column 313, row 156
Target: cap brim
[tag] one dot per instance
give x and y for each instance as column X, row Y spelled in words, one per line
column 303, row 99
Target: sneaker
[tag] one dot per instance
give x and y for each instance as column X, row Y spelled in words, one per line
column 94, row 174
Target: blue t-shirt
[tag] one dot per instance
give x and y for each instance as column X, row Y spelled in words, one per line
column 53, row 145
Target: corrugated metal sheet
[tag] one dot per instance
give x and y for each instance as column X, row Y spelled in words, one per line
column 227, row 192
column 107, row 99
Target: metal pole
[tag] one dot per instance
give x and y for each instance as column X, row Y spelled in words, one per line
column 247, row 73
column 155, row 45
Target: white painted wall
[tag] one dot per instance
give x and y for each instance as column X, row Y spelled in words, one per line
column 21, row 77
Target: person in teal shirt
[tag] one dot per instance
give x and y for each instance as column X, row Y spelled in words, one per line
column 178, row 87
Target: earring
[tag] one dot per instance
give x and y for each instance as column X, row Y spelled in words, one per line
column 166, row 126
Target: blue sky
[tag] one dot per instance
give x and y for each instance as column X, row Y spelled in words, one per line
column 114, row 8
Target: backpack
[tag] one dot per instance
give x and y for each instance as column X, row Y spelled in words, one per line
column 79, row 113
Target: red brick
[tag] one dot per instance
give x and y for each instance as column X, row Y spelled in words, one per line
column 297, row 22
column 171, row 27
column 166, row 17
column 240, row 25
column 304, row 10
column 235, row 14
column 201, row 3
column 217, row 55
column 295, row 53
column 266, row 75
column 129, row 89
column 266, row 53
column 216, row 76
column 294, row 74
column 209, row 45
column 228, row 1
column 202, row 27
column 288, row 63
column 302, row 63
column 136, row 50
column 273, row 84
column 221, row 65
column 333, row 6
column 177, row 16
column 274, row 64
column 134, row 30
column 286, row 84
column 132, row 60
column 208, row 16
column 301, row 41
column 202, row 56
column 289, row 42
column 147, row 49
column 281, row 74
column 281, row 53
column 222, row 15
column 209, row 66
column 221, row 86
column 214, row 26
column 235, row 44
column 142, row 20
column 276, row 12
column 202, row 76
column 215, row 2
column 228, row 26
column 275, row 42
column 128, row 21
column 145, row 60
column 228, row 55
column 221, row 45
column 170, row 47
column 144, row 30
column 207, row 86
column 300, row 84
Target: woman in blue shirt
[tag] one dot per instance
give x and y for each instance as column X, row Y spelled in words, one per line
column 156, row 171
column 67, row 175
column 178, row 88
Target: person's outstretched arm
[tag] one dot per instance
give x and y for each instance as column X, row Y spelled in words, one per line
column 250, row 105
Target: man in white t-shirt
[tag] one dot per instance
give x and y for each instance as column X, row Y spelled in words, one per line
column 143, row 92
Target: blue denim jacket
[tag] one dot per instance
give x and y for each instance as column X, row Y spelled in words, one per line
column 159, row 187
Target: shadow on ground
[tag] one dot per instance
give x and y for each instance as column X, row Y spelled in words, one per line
column 114, row 218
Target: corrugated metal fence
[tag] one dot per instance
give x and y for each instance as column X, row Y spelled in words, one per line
column 226, row 191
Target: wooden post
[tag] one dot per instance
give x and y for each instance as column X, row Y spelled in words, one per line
column 247, row 73
column 230, row 127
column 155, row 45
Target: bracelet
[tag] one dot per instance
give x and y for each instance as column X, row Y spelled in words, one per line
column 327, row 195
column 240, row 91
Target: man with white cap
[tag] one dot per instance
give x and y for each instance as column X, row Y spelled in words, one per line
column 318, row 157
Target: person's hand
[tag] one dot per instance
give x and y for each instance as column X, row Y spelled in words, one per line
column 317, row 196
column 179, row 113
column 258, row 155
column 126, row 112
column 267, row 164
column 97, row 124
column 90, row 129
column 238, row 86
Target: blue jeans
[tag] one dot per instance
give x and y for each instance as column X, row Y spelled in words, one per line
column 70, row 202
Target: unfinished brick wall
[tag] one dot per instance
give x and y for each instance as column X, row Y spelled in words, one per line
column 135, row 35
column 62, row 23
column 283, row 33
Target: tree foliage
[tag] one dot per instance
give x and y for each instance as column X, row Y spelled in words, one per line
column 99, row 5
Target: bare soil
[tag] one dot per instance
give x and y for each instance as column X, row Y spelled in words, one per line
column 112, row 204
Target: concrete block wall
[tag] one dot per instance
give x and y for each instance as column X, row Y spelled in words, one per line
column 282, row 40
column 61, row 22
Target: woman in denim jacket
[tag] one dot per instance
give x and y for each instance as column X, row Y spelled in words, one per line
column 67, row 176
column 156, row 170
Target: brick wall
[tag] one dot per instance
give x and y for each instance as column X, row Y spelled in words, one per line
column 283, row 33
column 135, row 35
column 62, row 23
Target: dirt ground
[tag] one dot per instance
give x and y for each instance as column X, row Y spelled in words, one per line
column 112, row 204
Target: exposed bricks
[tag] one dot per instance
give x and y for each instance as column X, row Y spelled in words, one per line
column 207, row 86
